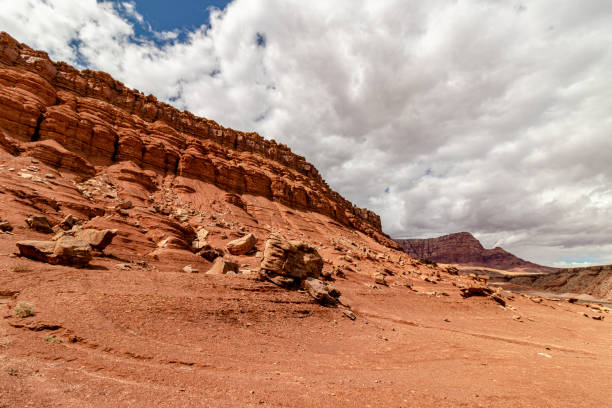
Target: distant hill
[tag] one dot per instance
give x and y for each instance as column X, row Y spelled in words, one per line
column 463, row 248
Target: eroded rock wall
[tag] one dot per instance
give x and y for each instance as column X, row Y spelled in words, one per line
column 99, row 121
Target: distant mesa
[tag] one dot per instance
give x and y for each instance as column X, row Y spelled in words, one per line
column 462, row 248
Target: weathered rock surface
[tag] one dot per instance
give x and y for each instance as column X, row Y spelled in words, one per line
column 380, row 279
column 463, row 248
column 210, row 253
column 222, row 266
column 98, row 239
column 65, row 251
column 39, row 223
column 74, row 120
column 321, row 292
column 295, row 259
column 5, row 226
column 595, row 281
column 242, row 245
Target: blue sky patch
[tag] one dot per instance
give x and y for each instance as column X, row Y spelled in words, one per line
column 161, row 16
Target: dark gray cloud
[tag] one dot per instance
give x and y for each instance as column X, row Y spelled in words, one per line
column 442, row 116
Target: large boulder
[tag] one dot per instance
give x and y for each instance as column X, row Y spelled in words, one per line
column 39, row 223
column 222, row 266
column 72, row 251
column 65, row 251
column 98, row 239
column 242, row 245
column 37, row 250
column 296, row 259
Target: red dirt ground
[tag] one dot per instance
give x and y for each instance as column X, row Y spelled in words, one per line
column 154, row 336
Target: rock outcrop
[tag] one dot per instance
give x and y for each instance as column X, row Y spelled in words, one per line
column 463, row 248
column 65, row 251
column 594, row 281
column 293, row 259
column 76, row 120
column 292, row 264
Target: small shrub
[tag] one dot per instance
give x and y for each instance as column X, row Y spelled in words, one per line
column 52, row 339
column 23, row 309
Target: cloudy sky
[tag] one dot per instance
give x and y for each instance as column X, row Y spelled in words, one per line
column 442, row 116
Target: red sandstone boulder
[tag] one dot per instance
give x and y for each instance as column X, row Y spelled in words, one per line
column 98, row 239
column 291, row 258
column 39, row 223
column 222, row 266
column 321, row 292
column 65, row 251
column 242, row 246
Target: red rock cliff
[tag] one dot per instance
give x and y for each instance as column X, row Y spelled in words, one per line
column 463, row 248
column 101, row 121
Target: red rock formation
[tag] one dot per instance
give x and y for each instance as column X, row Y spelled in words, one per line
column 82, row 119
column 463, row 248
column 594, row 281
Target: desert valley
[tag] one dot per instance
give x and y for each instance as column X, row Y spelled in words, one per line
column 150, row 257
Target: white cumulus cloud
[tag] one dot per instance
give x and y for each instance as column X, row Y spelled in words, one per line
column 442, row 116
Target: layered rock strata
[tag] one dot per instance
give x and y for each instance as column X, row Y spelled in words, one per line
column 76, row 120
column 463, row 248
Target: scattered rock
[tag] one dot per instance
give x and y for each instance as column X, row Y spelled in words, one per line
column 68, row 222
column 190, row 269
column 349, row 314
column 126, row 205
column 98, row 239
column 123, row 267
column 476, row 291
column 285, row 282
column 498, row 299
column 320, row 292
column 5, row 226
column 39, row 223
column 380, row 279
column 327, row 276
column 209, row 253
column 65, row 251
column 222, row 266
column 242, row 246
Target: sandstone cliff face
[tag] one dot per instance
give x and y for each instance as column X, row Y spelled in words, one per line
column 82, row 119
column 463, row 248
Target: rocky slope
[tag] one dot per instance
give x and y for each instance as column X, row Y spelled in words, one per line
column 77, row 120
column 462, row 248
column 595, row 281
